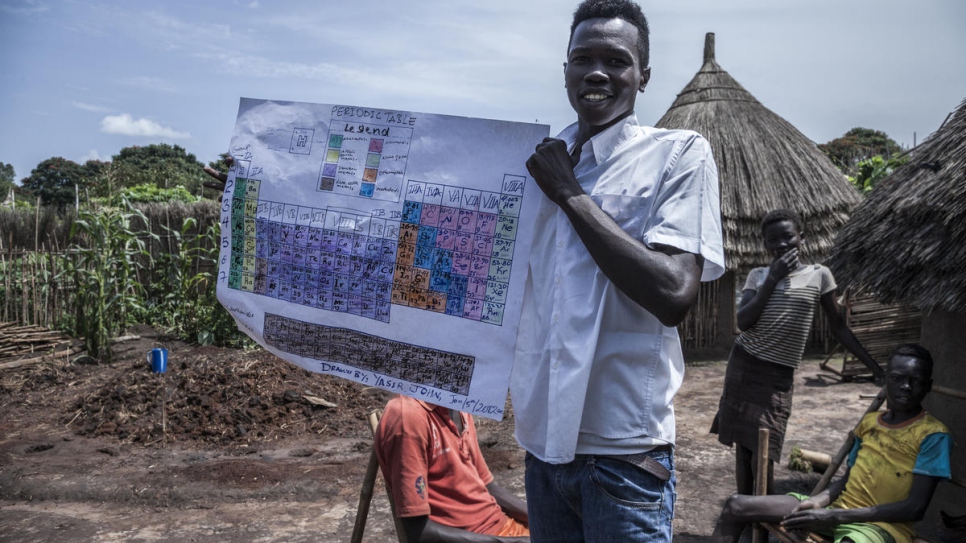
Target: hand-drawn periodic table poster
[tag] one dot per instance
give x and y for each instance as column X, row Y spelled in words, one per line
column 385, row 247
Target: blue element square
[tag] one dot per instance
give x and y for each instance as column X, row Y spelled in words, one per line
column 412, row 211
column 426, row 236
column 367, row 189
column 442, row 260
column 423, row 257
column 439, row 281
column 454, row 305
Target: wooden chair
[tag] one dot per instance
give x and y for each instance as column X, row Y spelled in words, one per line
column 762, row 529
column 879, row 327
column 368, row 485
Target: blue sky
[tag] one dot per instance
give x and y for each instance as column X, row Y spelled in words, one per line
column 83, row 79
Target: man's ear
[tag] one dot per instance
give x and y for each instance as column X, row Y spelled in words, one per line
column 645, row 77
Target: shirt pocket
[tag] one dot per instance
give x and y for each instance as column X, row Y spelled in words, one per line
column 629, row 212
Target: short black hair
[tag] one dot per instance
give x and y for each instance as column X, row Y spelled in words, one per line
column 619, row 9
column 783, row 215
column 914, row 350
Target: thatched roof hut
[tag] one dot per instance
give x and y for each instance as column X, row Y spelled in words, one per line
column 764, row 163
column 907, row 241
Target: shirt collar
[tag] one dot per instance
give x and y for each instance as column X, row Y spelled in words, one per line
column 443, row 413
column 606, row 142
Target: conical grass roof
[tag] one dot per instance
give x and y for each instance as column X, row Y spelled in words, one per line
column 764, row 163
column 906, row 243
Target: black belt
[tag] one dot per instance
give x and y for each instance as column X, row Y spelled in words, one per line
column 644, row 461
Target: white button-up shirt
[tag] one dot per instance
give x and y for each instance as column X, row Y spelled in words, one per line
column 593, row 372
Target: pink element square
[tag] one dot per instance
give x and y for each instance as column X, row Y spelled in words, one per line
column 486, row 224
column 480, row 267
column 482, row 245
column 447, row 217
column 430, row 215
column 462, row 263
column 466, row 221
column 473, row 309
column 445, row 239
column 475, row 288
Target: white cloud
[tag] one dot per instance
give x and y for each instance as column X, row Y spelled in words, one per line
column 91, row 155
column 91, row 107
column 23, row 7
column 126, row 125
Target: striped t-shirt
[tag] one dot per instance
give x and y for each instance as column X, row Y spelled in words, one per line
column 780, row 334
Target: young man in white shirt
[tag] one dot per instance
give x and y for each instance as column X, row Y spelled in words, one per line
column 630, row 227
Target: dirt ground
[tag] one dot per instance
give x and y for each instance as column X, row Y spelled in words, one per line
column 235, row 446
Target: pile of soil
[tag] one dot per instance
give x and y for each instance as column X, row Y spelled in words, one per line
column 208, row 397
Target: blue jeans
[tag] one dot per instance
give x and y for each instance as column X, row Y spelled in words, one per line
column 599, row 499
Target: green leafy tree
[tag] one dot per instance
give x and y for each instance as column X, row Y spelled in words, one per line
column 54, row 181
column 7, row 176
column 857, row 145
column 872, row 170
column 162, row 165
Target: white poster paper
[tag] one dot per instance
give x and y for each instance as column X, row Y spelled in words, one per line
column 385, row 247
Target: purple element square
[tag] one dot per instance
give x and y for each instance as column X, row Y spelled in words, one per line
column 329, row 169
column 375, row 145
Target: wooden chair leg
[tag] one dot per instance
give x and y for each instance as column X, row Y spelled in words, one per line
column 759, row 534
column 365, row 498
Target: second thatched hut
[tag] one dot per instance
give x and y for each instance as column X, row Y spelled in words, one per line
column 764, row 163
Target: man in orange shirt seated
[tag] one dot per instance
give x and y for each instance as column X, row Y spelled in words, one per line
column 441, row 486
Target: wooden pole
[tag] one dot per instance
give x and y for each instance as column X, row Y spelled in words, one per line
column 365, row 497
column 759, row 534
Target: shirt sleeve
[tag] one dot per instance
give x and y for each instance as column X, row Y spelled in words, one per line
column 854, row 453
column 687, row 209
column 934, row 456
column 828, row 281
column 754, row 280
column 405, row 457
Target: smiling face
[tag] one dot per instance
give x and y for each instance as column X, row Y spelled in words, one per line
column 603, row 73
column 907, row 383
column 782, row 236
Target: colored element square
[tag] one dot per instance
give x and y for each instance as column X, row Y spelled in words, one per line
column 492, row 313
column 375, row 145
column 367, row 189
column 335, row 141
column 372, row 160
column 430, row 215
column 369, row 174
column 411, row 212
column 426, row 236
column 326, row 183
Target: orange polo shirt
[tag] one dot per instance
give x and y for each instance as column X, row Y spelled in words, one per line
column 432, row 470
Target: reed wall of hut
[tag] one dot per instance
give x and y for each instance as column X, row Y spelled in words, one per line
column 942, row 334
